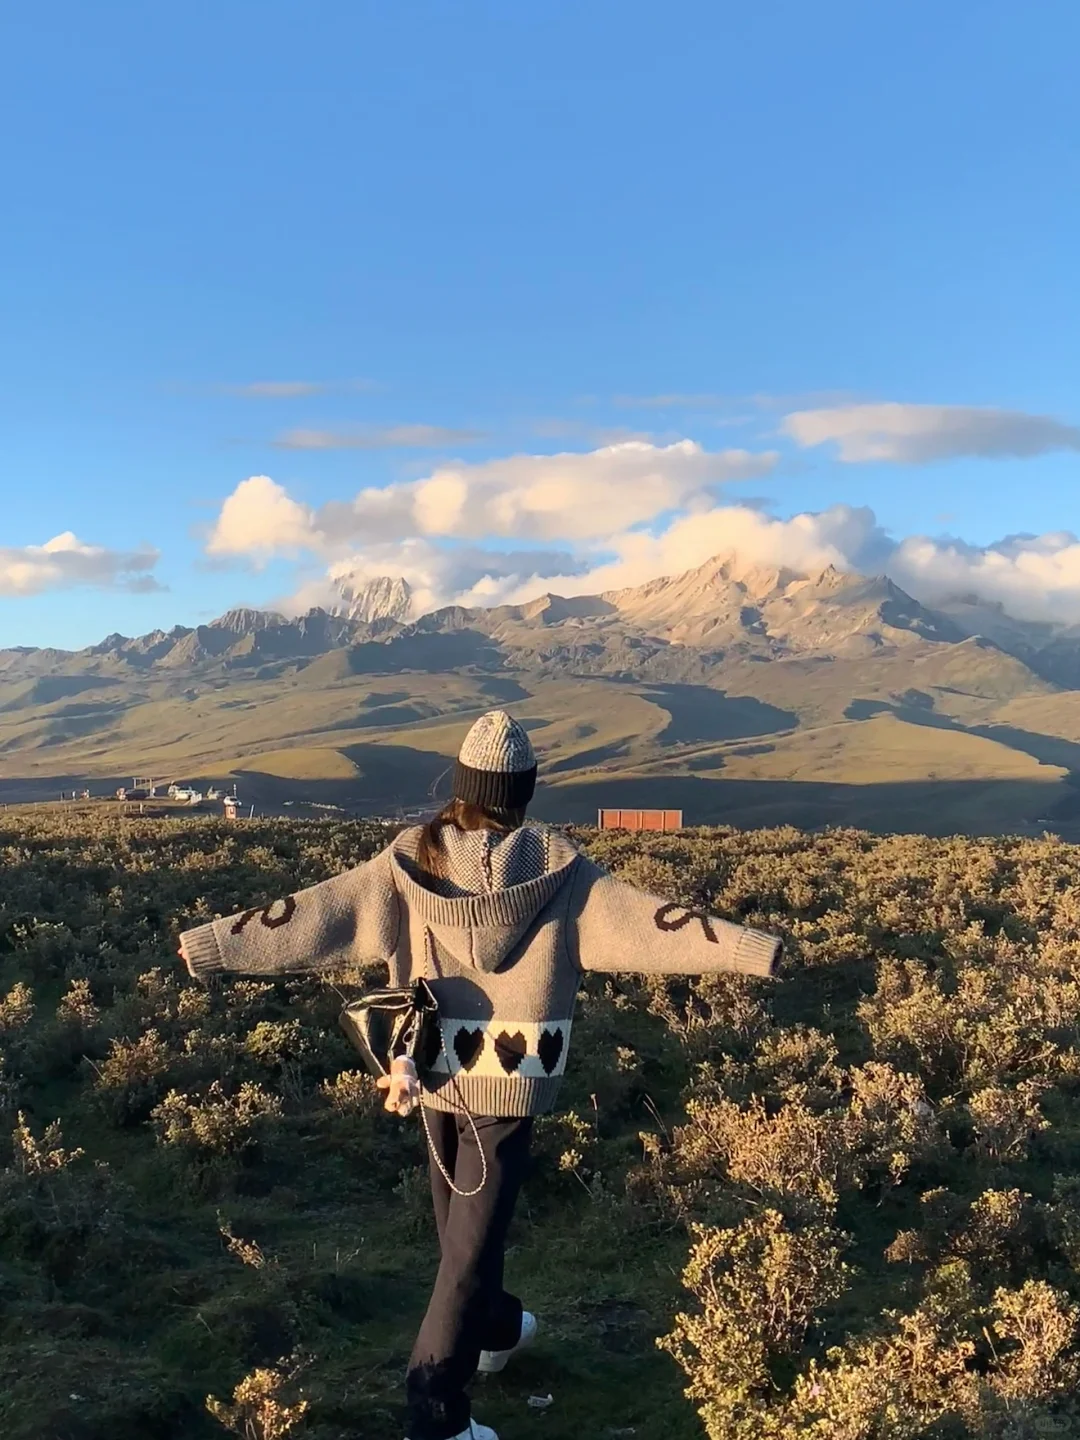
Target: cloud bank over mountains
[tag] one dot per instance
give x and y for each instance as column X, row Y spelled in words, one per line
column 623, row 513
column 627, row 512
column 576, row 497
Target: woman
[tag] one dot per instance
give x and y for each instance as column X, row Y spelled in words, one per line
column 501, row 918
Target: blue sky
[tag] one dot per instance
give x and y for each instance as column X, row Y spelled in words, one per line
column 525, row 221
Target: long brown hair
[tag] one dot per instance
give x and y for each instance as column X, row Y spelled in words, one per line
column 463, row 816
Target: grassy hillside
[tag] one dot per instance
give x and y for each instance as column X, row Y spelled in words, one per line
column 751, row 694
column 302, row 762
column 849, row 1199
column 790, row 740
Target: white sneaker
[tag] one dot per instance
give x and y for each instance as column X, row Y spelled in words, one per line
column 492, row 1361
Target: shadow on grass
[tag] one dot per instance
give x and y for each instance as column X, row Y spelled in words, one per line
column 941, row 807
column 699, row 714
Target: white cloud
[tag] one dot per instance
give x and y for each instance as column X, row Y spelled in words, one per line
column 557, row 428
column 275, row 389
column 675, row 400
column 570, row 496
column 290, row 389
column 623, row 514
column 382, row 437
column 474, row 576
column 65, row 561
column 918, row 434
column 761, row 401
column 1034, row 577
column 260, row 519
column 803, row 543
column 465, row 575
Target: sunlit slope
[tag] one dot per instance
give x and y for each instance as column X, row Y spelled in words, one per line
column 206, row 728
column 883, row 773
column 300, row 763
column 1057, row 715
column 737, row 716
column 887, row 749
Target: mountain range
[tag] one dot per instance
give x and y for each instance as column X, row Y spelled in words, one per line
column 733, row 691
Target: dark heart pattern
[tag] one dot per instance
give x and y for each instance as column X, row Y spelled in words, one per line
column 510, row 1049
column 430, row 1046
column 674, row 917
column 549, row 1048
column 467, row 1046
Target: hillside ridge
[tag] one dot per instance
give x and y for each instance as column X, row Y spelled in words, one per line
column 738, row 692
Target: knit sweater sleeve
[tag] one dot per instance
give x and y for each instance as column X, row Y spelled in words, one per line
column 618, row 928
column 355, row 915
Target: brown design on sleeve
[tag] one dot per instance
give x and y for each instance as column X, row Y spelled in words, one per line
column 272, row 922
column 674, row 917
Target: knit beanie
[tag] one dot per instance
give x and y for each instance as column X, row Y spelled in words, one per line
column 496, row 767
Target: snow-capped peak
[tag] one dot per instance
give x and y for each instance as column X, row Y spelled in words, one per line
column 384, row 598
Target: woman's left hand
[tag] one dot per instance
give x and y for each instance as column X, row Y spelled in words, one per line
column 402, row 1087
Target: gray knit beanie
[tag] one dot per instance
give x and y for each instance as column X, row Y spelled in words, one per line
column 496, row 767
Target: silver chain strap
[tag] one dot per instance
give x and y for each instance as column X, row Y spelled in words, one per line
column 464, row 1194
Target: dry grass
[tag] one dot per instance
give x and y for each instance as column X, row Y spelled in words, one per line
column 314, row 762
column 885, row 749
column 867, row 1174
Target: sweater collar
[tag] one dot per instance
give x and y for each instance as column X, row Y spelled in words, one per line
column 504, row 909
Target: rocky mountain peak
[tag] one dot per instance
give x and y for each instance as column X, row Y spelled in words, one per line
column 246, row 620
column 386, row 597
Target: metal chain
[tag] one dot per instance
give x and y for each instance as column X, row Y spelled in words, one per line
column 464, row 1194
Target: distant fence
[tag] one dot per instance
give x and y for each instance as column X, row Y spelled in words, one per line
column 663, row 820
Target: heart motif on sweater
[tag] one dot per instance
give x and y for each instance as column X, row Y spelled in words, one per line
column 510, row 1050
column 549, row 1048
column 467, row 1046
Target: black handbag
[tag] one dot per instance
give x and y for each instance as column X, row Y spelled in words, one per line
column 389, row 1023
column 386, row 1024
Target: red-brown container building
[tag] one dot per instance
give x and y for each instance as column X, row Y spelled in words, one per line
column 663, row 820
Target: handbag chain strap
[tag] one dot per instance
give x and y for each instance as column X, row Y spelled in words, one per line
column 464, row 1194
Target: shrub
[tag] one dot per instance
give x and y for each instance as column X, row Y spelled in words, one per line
column 1007, row 1120
column 58, row 1208
column 1038, row 1327
column 216, row 1123
column 47, row 1156
column 77, row 1007
column 16, row 1009
column 131, row 1079
column 259, row 1410
column 759, row 1286
column 352, row 1093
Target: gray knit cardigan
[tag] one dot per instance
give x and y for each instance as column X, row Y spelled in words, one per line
column 504, row 955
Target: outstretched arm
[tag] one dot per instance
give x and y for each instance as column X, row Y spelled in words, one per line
column 315, row 929
column 619, row 928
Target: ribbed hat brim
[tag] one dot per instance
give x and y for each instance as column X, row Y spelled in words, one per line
column 494, row 789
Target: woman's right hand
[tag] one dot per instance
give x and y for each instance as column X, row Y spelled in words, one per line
column 402, row 1087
